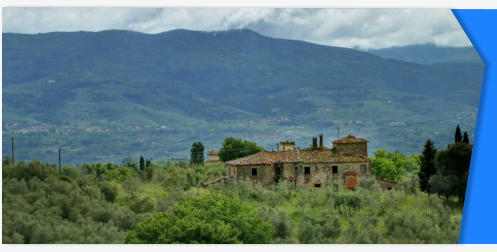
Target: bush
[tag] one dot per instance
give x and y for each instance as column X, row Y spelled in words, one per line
column 409, row 183
column 369, row 184
column 321, row 227
column 109, row 191
column 141, row 205
column 281, row 222
column 210, row 218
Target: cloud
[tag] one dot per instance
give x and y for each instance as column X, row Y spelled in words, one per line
column 353, row 28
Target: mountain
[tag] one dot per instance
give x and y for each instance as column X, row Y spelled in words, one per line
column 106, row 95
column 430, row 54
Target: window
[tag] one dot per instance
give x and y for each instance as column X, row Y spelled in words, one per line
column 334, row 169
column 317, row 185
column 363, row 169
column 254, row 171
column 307, row 170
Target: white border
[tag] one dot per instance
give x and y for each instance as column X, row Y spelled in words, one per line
column 452, row 4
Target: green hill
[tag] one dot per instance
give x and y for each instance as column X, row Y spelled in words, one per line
column 111, row 94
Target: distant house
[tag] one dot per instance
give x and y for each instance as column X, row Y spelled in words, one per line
column 213, row 158
column 287, row 145
column 386, row 184
column 315, row 167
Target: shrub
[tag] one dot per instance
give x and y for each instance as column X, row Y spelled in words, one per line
column 141, row 205
column 209, row 218
column 109, row 190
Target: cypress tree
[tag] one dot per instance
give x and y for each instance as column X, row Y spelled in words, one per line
column 197, row 153
column 465, row 138
column 427, row 162
column 142, row 163
column 458, row 135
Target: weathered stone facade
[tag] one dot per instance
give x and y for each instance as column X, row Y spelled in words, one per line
column 213, row 158
column 352, row 145
column 306, row 175
column 313, row 168
column 282, row 146
column 386, row 184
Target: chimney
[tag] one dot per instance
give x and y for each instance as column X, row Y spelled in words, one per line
column 320, row 140
column 314, row 142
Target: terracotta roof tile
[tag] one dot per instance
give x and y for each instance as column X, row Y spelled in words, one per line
column 295, row 156
column 350, row 139
column 385, row 179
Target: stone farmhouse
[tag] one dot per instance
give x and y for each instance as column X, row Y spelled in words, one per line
column 213, row 158
column 314, row 167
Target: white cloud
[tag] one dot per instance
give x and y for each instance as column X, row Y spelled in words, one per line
column 361, row 28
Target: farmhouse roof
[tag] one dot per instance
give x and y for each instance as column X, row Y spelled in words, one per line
column 296, row 156
column 213, row 152
column 350, row 139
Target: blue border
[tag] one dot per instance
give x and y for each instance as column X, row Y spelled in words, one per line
column 479, row 220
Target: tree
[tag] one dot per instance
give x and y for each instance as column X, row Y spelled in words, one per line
column 452, row 171
column 386, row 168
column 380, row 153
column 197, row 153
column 142, row 163
column 109, row 191
column 388, row 165
column 234, row 148
column 427, row 165
column 458, row 136
column 412, row 163
column 465, row 138
column 208, row 218
column 409, row 183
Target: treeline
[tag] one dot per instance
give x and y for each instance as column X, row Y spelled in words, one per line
column 233, row 148
column 444, row 171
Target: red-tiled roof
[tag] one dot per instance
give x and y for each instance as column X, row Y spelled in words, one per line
column 213, row 152
column 350, row 139
column 295, row 156
column 206, row 183
column 385, row 179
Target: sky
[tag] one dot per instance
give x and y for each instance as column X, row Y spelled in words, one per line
column 352, row 28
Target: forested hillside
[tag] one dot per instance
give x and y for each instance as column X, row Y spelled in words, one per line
column 104, row 96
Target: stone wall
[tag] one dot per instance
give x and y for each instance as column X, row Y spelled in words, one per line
column 213, row 157
column 360, row 149
column 386, row 184
column 286, row 146
column 305, row 175
column 265, row 173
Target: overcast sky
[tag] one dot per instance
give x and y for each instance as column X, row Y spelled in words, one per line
column 354, row 28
